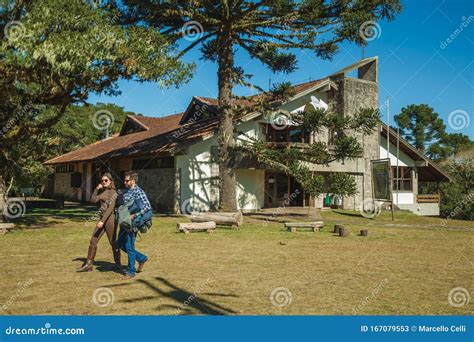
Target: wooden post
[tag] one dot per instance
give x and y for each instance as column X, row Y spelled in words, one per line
column 364, row 232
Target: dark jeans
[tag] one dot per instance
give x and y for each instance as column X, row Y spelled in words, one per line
column 126, row 241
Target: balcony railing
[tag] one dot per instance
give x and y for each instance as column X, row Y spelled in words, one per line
column 436, row 198
column 287, row 144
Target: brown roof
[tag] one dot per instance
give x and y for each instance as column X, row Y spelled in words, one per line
column 155, row 126
column 433, row 172
column 159, row 134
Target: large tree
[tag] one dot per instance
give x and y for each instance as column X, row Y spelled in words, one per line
column 269, row 31
column 54, row 53
column 420, row 125
column 449, row 145
column 74, row 130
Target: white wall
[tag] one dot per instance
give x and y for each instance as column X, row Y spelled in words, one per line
column 404, row 160
column 250, row 188
column 196, row 173
column 403, row 197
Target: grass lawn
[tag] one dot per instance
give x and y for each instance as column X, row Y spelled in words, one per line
column 404, row 267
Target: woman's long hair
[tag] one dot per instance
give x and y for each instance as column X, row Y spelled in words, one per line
column 111, row 184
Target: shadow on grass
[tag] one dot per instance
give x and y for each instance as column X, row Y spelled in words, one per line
column 353, row 214
column 101, row 266
column 187, row 302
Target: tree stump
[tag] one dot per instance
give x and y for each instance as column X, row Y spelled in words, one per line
column 337, row 227
column 343, row 232
column 364, row 232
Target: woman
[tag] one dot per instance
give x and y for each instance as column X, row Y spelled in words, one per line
column 106, row 195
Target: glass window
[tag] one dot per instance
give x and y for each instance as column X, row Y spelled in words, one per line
column 402, row 181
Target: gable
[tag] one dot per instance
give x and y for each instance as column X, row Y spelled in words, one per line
column 132, row 125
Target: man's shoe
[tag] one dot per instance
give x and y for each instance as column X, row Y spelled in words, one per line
column 140, row 266
column 128, row 276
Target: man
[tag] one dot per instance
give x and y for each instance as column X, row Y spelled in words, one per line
column 127, row 237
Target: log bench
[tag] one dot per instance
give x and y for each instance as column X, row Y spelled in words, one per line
column 186, row 228
column 315, row 226
column 5, row 227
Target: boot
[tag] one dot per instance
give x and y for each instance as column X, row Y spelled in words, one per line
column 118, row 263
column 89, row 263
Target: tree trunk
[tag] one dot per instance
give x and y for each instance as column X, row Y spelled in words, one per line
column 227, row 184
column 225, row 219
column 2, row 197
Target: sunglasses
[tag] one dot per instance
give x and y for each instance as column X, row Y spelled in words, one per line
column 105, row 180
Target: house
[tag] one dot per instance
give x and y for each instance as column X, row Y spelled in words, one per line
column 176, row 155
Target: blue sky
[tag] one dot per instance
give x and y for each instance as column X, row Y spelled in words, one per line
column 416, row 65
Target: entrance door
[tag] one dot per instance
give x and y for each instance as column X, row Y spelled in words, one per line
column 282, row 190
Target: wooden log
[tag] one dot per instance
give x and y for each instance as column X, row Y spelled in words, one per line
column 364, row 232
column 196, row 227
column 343, row 232
column 337, row 227
column 5, row 227
column 224, row 219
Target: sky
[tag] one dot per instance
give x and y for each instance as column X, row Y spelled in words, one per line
column 426, row 55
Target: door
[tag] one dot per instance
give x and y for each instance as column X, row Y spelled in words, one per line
column 283, row 190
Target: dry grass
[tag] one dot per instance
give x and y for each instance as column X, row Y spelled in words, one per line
column 396, row 270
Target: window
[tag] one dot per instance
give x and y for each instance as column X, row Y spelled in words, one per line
column 65, row 168
column 287, row 135
column 155, row 163
column 402, row 182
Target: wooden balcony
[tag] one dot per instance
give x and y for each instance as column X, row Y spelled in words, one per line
column 287, row 144
column 435, row 198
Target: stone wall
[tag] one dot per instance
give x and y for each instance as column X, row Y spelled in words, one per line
column 159, row 184
column 62, row 187
column 351, row 95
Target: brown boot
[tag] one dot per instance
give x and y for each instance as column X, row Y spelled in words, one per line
column 118, row 263
column 89, row 263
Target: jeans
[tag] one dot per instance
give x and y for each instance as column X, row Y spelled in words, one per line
column 126, row 241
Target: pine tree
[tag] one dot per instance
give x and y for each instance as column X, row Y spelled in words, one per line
column 266, row 30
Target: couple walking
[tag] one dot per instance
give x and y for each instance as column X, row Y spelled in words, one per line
column 134, row 202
